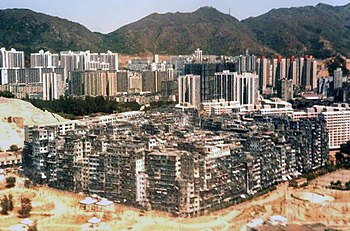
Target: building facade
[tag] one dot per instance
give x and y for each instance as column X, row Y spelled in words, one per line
column 189, row 90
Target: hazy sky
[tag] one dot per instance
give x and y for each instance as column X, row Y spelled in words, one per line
column 107, row 15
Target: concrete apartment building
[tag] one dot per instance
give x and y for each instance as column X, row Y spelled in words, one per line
column 53, row 86
column 11, row 59
column 234, row 87
column 151, row 80
column 33, row 91
column 37, row 82
column 44, row 59
column 337, row 119
column 189, row 91
column 93, row 83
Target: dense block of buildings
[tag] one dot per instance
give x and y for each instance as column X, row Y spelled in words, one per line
column 301, row 71
column 165, row 161
column 57, row 66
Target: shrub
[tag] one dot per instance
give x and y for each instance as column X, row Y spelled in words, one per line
column 26, row 207
column 14, row 148
column 10, row 199
column 347, row 185
column 27, row 183
column 5, row 205
column 33, row 227
column 10, row 181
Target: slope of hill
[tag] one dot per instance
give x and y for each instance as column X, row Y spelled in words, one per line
column 321, row 30
column 12, row 112
column 31, row 31
column 30, row 114
column 178, row 33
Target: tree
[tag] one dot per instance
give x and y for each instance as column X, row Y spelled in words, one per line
column 347, row 185
column 33, row 227
column 27, row 183
column 14, row 148
column 7, row 94
column 11, row 206
column 338, row 184
column 10, row 181
column 26, row 207
column 5, row 205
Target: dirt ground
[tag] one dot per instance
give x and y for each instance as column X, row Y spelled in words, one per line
column 343, row 175
column 60, row 211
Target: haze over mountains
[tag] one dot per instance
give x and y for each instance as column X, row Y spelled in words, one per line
column 321, row 30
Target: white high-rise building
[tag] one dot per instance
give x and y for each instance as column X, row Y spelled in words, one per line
column 111, row 59
column 189, row 90
column 264, row 73
column 273, row 72
column 198, row 55
column 36, row 59
column 337, row 120
column 11, row 59
column 247, row 89
column 91, row 61
column 3, row 76
column 44, row 59
column 338, row 127
column 72, row 61
column 53, row 86
column 240, row 88
column 85, row 60
column 3, row 58
column 156, row 58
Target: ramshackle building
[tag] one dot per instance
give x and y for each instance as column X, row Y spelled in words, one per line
column 161, row 161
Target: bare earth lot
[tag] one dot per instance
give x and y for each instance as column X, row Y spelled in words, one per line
column 343, row 175
column 60, row 211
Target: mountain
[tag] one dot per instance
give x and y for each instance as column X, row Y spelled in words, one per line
column 182, row 33
column 31, row 31
column 322, row 30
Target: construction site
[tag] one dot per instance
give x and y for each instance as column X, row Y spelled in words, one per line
column 59, row 210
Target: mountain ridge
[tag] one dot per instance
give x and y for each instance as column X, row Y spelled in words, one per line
column 31, row 31
column 322, row 30
column 180, row 33
column 319, row 30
